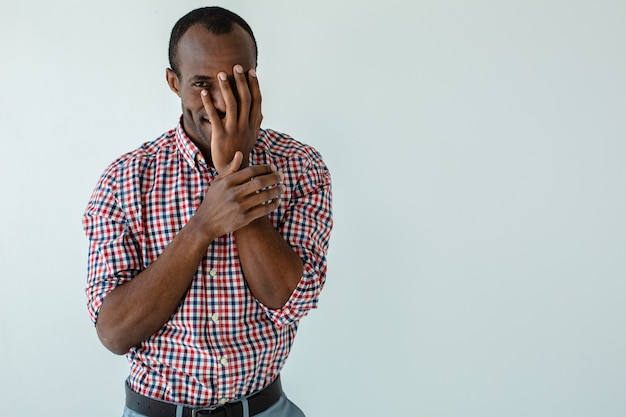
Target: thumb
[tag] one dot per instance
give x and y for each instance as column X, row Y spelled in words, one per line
column 234, row 164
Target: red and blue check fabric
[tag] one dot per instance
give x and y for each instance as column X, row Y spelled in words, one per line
column 221, row 343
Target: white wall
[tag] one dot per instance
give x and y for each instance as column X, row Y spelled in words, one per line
column 477, row 266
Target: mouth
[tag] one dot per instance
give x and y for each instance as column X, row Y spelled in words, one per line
column 205, row 119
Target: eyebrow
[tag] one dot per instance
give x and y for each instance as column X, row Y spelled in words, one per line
column 202, row 78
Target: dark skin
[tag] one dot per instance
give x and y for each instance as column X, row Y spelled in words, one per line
column 221, row 104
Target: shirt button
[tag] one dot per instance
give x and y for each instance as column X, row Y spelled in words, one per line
column 224, row 361
column 223, row 401
column 214, row 317
column 213, row 272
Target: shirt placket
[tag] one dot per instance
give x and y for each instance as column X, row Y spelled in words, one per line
column 206, row 174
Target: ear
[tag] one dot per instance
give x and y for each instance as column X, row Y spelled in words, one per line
column 172, row 81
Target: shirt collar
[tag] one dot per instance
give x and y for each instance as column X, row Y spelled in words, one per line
column 187, row 148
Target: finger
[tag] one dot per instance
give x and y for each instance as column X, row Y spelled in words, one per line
column 263, row 209
column 234, row 164
column 229, row 100
column 258, row 124
column 246, row 174
column 255, row 93
column 262, row 182
column 211, row 111
column 243, row 92
column 264, row 196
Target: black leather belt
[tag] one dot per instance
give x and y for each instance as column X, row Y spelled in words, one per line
column 257, row 403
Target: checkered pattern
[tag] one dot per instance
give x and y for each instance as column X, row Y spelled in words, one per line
column 221, row 343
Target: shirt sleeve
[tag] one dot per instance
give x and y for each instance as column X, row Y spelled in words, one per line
column 306, row 225
column 114, row 255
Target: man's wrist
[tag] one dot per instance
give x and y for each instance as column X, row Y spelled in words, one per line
column 196, row 235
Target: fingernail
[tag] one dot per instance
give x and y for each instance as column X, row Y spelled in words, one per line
column 238, row 69
column 252, row 73
column 204, row 93
column 222, row 76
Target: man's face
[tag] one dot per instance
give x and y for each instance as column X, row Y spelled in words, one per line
column 201, row 56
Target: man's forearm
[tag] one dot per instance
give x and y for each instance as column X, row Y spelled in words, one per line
column 135, row 310
column 271, row 268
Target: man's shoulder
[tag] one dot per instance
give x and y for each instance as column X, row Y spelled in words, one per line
column 143, row 156
column 282, row 145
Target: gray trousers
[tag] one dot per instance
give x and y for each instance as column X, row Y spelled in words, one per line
column 282, row 408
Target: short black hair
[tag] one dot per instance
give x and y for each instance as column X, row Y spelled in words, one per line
column 216, row 20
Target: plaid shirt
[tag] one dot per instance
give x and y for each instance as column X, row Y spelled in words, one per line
column 221, row 343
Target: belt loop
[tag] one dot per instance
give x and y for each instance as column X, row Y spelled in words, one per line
column 246, row 410
column 179, row 410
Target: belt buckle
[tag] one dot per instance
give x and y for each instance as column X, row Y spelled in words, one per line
column 206, row 411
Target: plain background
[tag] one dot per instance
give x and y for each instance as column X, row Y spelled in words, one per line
column 477, row 266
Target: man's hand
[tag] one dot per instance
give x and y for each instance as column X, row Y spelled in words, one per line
column 239, row 129
column 238, row 197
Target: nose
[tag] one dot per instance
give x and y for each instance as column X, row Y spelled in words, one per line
column 218, row 100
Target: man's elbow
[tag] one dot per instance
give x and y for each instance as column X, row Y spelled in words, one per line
column 111, row 340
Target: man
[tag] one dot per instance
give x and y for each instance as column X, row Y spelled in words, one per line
column 208, row 244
